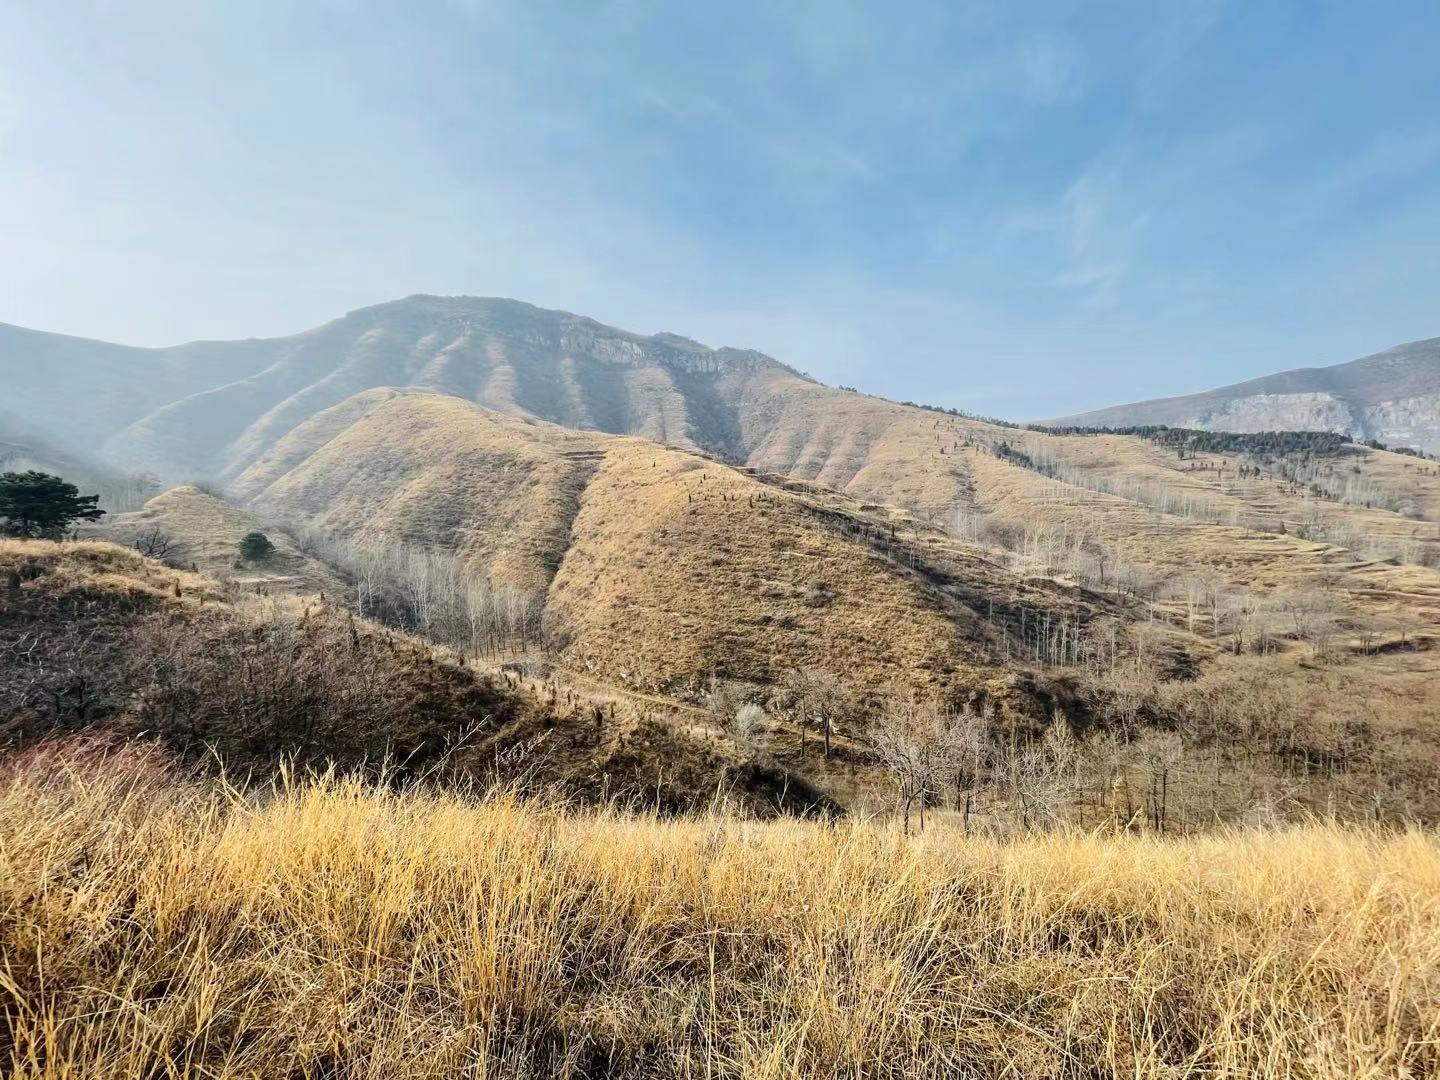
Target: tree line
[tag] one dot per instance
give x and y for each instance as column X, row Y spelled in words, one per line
column 1259, row 443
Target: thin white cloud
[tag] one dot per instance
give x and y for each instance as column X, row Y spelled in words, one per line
column 1104, row 229
column 1094, row 229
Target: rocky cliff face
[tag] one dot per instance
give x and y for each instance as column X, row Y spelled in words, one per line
column 1393, row 396
column 1412, row 421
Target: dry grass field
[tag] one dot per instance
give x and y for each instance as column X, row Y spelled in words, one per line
column 154, row 926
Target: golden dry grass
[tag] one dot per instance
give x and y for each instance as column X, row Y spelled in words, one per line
column 432, row 471
column 881, row 450
column 678, row 566
column 1412, row 477
column 865, row 446
column 156, row 928
column 99, row 567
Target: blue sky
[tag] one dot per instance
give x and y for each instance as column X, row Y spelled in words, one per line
column 1019, row 209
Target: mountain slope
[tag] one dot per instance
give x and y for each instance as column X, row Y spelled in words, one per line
column 1392, row 396
column 205, row 532
column 655, row 566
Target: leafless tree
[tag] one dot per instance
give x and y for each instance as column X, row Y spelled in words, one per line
column 156, row 543
column 433, row 592
column 1313, row 616
column 1043, row 774
column 817, row 698
column 922, row 745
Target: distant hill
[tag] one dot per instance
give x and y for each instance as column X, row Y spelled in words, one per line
column 186, row 526
column 1392, row 396
column 21, row 448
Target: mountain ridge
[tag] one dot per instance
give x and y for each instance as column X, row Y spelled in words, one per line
column 210, row 408
column 1392, row 396
column 213, row 410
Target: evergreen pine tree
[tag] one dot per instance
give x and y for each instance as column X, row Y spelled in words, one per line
column 36, row 504
column 256, row 546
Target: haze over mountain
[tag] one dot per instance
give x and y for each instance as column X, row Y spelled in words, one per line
column 1392, row 396
column 236, row 412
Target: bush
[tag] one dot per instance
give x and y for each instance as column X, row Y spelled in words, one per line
column 269, row 681
column 256, row 546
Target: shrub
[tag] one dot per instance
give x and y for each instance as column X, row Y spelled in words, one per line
column 256, row 546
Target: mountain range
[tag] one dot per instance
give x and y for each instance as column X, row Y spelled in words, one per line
column 210, row 409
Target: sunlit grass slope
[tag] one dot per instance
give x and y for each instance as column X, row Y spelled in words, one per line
column 155, row 928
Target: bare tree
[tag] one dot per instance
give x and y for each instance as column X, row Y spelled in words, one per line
column 156, row 543
column 434, row 592
column 1163, row 753
column 1313, row 616
column 1043, row 775
column 817, row 698
column 921, row 744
